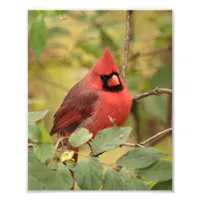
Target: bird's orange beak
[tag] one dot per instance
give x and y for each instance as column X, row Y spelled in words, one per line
column 113, row 81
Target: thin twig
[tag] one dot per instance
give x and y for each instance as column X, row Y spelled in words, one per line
column 156, row 91
column 127, row 42
column 169, row 130
column 58, row 142
column 142, row 144
column 131, row 145
column 88, row 143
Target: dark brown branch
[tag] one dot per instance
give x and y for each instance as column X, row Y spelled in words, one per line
column 156, row 91
column 127, row 42
column 151, row 53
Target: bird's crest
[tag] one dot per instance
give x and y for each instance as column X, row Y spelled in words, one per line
column 106, row 64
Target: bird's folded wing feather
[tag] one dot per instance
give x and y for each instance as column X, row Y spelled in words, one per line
column 76, row 107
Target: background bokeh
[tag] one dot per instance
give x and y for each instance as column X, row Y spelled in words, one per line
column 72, row 41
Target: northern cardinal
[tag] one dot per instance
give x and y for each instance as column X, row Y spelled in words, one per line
column 99, row 97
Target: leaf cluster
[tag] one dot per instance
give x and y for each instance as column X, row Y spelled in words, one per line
column 137, row 169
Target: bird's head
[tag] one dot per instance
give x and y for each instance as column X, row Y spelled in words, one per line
column 104, row 75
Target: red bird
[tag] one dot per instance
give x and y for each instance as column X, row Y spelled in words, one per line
column 101, row 94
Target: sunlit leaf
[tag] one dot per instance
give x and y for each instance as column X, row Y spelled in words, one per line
column 67, row 155
column 79, row 137
column 89, row 174
column 45, row 136
column 140, row 157
column 110, row 138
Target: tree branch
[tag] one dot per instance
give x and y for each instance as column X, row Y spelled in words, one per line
column 168, row 131
column 150, row 140
column 156, row 91
column 127, row 42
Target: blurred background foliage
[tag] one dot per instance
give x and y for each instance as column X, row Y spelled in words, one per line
column 64, row 45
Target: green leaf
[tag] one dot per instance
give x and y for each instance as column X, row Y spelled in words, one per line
column 112, row 180
column 38, row 36
column 162, row 78
column 40, row 177
column 79, row 137
column 57, row 31
column 44, row 151
column 65, row 176
column 35, row 116
column 33, row 183
column 33, row 131
column 110, row 138
column 53, row 165
column 45, row 136
column 130, row 181
column 89, row 174
column 156, row 106
column 140, row 158
column 166, row 185
column 159, row 171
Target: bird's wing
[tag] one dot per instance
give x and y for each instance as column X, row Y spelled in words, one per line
column 77, row 106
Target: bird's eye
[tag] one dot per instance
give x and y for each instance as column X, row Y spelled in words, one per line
column 103, row 77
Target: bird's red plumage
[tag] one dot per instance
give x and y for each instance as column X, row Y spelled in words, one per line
column 87, row 105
